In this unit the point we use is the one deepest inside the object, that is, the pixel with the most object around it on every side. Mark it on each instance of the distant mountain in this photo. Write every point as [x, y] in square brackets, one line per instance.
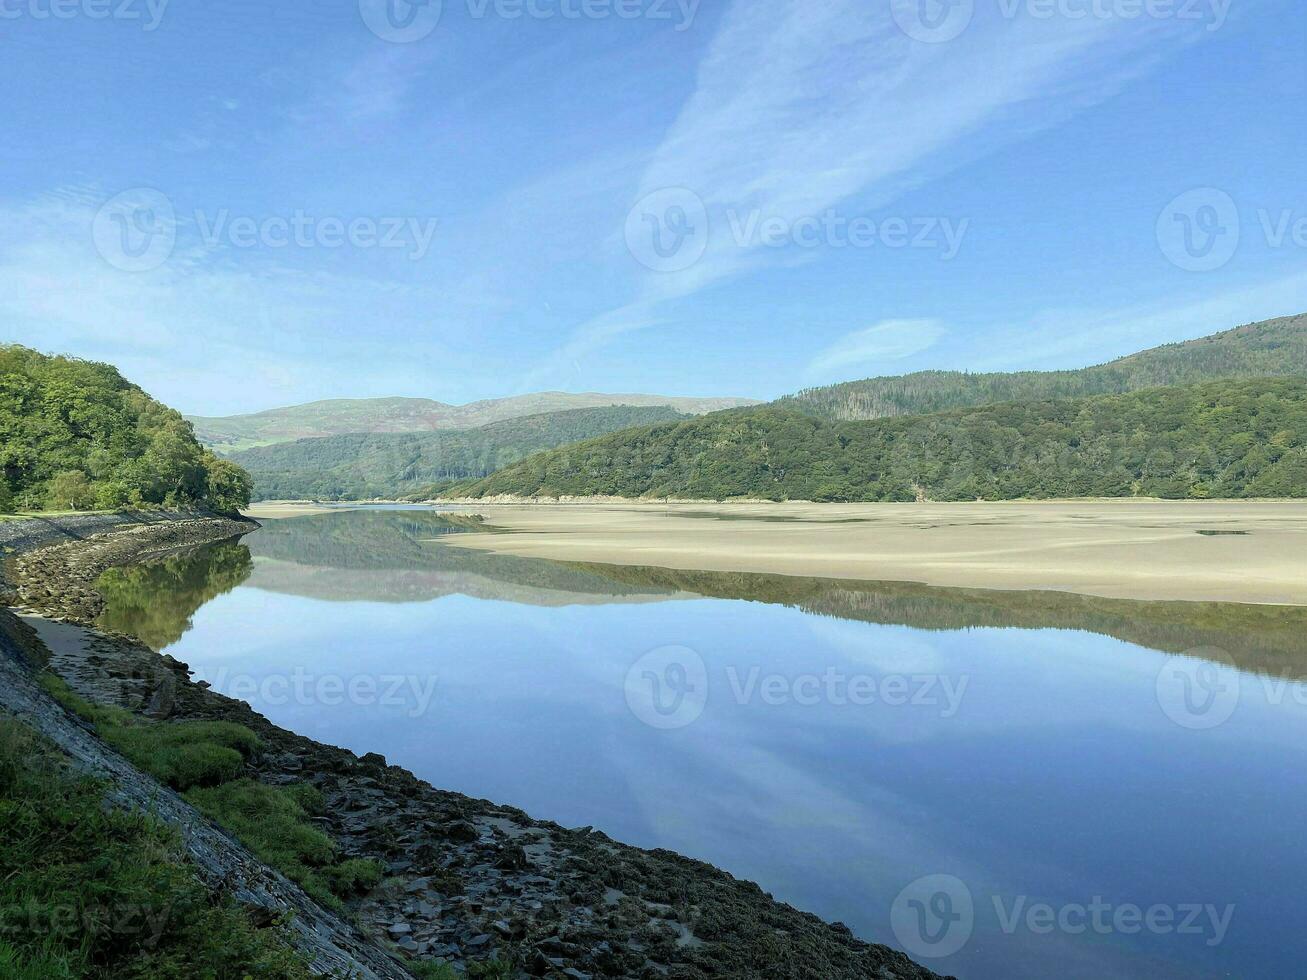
[1156, 423]
[1262, 350]
[360, 466]
[1184, 420]
[1232, 438]
[343, 416]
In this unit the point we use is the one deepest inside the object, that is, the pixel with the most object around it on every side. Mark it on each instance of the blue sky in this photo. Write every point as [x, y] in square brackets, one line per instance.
[246, 205]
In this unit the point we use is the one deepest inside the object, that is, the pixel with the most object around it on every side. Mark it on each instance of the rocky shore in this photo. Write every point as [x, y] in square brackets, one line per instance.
[467, 881]
[52, 562]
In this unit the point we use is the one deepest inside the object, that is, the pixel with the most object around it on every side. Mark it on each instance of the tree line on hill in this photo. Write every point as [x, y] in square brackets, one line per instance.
[1260, 350]
[75, 435]
[1217, 417]
[1228, 439]
[387, 465]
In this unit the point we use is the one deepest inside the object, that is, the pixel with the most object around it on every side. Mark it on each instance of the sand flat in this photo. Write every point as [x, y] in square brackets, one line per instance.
[1227, 551]
[277, 510]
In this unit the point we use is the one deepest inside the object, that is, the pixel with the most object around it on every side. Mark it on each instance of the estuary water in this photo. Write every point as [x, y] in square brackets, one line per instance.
[1005, 785]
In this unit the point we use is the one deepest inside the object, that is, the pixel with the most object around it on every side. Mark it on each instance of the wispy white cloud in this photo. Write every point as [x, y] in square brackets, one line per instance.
[801, 107]
[864, 351]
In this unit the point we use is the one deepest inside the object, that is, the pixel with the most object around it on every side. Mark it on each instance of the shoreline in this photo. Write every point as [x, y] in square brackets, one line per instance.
[466, 879]
[52, 563]
[1252, 552]
[1249, 552]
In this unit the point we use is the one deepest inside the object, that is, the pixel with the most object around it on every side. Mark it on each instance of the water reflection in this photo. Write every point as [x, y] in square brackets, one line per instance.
[1017, 742]
[1263, 638]
[396, 556]
[156, 600]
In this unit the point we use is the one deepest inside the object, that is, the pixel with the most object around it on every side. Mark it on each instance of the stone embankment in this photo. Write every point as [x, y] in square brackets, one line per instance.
[52, 562]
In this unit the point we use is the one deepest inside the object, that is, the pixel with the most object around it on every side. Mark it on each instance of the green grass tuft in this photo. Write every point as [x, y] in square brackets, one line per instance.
[206, 761]
[87, 891]
[353, 877]
[58, 688]
[274, 823]
[185, 754]
[181, 754]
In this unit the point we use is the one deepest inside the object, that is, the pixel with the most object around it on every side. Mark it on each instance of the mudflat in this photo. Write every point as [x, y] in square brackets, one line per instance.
[1218, 551]
[274, 510]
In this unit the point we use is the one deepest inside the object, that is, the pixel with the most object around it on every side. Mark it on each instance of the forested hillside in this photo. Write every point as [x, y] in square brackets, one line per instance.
[1220, 439]
[75, 435]
[344, 416]
[1262, 350]
[390, 465]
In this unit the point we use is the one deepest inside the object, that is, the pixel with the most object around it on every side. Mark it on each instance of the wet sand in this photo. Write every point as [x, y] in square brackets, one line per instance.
[275, 510]
[1216, 551]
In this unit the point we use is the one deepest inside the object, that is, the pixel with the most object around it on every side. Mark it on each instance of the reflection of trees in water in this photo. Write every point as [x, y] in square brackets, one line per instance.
[1269, 639]
[405, 542]
[361, 538]
[156, 600]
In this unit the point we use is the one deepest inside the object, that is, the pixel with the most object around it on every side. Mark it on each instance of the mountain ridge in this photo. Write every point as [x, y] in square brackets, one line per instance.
[343, 416]
[955, 421]
[1270, 348]
[367, 465]
[1222, 439]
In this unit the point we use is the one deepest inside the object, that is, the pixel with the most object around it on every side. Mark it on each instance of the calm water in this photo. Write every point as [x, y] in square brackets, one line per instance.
[1030, 783]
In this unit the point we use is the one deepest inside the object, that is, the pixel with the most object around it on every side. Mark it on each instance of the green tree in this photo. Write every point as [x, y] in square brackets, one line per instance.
[1224, 439]
[393, 464]
[1275, 348]
[70, 490]
[1287, 478]
[229, 486]
[77, 434]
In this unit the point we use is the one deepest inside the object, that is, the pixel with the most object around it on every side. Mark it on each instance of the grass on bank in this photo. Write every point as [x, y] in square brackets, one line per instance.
[87, 891]
[274, 823]
[205, 761]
